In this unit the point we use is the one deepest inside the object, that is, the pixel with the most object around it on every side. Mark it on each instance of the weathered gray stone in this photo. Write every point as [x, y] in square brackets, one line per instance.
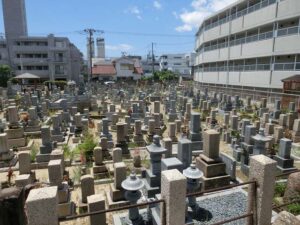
[117, 155]
[119, 174]
[96, 203]
[41, 206]
[211, 142]
[263, 171]
[286, 218]
[173, 191]
[24, 162]
[87, 187]
[55, 172]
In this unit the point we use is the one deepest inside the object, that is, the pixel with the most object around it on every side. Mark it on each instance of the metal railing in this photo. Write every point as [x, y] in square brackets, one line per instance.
[238, 14]
[288, 31]
[278, 207]
[163, 219]
[252, 67]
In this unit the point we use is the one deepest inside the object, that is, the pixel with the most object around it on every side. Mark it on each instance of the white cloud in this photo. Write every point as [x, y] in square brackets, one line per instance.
[200, 10]
[119, 47]
[184, 28]
[135, 11]
[157, 5]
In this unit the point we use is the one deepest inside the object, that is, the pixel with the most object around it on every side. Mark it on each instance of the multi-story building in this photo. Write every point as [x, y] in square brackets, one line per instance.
[251, 43]
[178, 63]
[47, 57]
[100, 47]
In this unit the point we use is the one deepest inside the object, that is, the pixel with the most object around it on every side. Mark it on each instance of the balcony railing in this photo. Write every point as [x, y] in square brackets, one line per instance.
[252, 67]
[239, 41]
[253, 38]
[288, 31]
[287, 66]
[238, 14]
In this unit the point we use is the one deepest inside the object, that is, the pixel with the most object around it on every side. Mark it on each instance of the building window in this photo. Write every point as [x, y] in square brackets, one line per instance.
[126, 66]
[59, 69]
[59, 44]
[177, 64]
[59, 57]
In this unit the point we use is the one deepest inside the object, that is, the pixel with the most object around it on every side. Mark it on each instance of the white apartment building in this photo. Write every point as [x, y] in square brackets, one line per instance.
[178, 63]
[251, 43]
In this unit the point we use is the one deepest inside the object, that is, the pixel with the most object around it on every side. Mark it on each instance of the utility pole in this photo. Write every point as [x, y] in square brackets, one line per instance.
[153, 59]
[90, 32]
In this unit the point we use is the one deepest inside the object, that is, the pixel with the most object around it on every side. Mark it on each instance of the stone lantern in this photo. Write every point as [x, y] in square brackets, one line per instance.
[193, 175]
[132, 185]
[260, 141]
[156, 150]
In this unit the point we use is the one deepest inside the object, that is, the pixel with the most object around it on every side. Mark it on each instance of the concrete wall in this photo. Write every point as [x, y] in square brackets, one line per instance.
[260, 17]
[287, 44]
[288, 8]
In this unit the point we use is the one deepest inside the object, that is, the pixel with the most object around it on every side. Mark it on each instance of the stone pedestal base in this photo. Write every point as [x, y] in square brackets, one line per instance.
[116, 194]
[99, 171]
[284, 163]
[115, 198]
[215, 182]
[43, 158]
[99, 168]
[58, 138]
[17, 142]
[23, 180]
[15, 133]
[210, 167]
[5, 156]
[214, 172]
[138, 139]
[32, 128]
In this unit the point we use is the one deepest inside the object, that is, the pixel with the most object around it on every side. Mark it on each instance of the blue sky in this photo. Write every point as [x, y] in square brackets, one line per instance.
[174, 21]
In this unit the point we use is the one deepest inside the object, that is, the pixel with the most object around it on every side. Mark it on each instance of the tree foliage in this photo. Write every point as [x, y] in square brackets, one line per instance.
[163, 76]
[5, 73]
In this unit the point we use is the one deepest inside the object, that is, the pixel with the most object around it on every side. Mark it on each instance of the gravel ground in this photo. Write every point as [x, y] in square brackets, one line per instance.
[217, 208]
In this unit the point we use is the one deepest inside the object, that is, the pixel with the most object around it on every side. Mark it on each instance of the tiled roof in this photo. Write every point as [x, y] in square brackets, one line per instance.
[104, 70]
[295, 78]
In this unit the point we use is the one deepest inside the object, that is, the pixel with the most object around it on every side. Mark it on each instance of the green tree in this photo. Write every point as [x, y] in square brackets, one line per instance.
[5, 73]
